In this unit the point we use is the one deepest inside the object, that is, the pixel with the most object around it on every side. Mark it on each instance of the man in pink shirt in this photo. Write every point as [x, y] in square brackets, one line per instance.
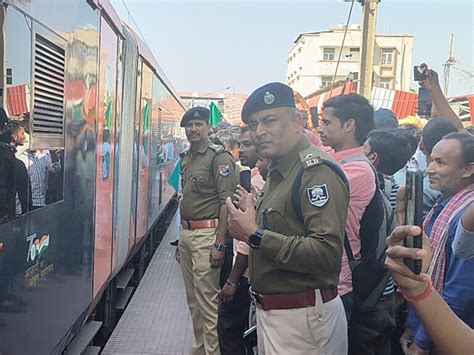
[235, 298]
[346, 121]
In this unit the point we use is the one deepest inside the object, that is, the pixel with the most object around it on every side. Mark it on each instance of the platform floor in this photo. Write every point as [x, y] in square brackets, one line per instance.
[157, 319]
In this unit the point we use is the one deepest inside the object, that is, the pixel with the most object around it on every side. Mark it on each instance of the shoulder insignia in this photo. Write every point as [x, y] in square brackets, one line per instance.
[309, 157]
[224, 170]
[318, 195]
[217, 148]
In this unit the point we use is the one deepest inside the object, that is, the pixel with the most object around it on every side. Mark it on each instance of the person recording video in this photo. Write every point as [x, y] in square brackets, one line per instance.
[448, 332]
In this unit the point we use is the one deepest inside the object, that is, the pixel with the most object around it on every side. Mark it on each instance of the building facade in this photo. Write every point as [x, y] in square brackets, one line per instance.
[229, 104]
[313, 59]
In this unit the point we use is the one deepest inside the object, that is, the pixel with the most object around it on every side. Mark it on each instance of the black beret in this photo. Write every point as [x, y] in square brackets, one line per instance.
[196, 113]
[268, 96]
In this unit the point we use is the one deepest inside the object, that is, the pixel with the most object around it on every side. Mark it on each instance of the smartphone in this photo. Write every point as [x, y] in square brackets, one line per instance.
[424, 102]
[314, 116]
[419, 73]
[245, 179]
[250, 337]
[414, 214]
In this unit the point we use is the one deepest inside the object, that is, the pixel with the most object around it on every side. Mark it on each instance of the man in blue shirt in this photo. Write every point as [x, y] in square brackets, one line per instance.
[451, 171]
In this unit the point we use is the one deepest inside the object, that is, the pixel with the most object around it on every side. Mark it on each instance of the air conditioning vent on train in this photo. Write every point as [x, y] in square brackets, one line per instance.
[48, 119]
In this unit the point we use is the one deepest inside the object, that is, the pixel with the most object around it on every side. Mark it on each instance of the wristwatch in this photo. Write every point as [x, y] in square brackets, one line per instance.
[256, 238]
[220, 247]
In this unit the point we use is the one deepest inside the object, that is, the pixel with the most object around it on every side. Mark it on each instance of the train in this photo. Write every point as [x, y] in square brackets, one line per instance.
[103, 132]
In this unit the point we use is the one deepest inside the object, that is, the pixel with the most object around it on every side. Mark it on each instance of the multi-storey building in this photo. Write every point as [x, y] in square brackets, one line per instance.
[313, 59]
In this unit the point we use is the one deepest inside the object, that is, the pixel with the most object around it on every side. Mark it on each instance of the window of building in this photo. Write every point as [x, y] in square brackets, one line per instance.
[326, 81]
[385, 83]
[354, 49]
[328, 54]
[387, 56]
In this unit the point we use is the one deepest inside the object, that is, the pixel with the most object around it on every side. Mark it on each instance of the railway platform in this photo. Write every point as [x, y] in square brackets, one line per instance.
[157, 319]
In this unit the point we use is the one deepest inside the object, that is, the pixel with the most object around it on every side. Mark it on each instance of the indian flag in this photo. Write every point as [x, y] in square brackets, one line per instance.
[42, 245]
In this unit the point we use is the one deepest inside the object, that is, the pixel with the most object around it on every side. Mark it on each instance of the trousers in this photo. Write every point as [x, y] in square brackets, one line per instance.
[233, 320]
[319, 330]
[370, 332]
[201, 283]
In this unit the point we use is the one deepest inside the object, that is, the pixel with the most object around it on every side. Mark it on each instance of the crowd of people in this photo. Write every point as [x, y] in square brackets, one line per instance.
[29, 178]
[313, 256]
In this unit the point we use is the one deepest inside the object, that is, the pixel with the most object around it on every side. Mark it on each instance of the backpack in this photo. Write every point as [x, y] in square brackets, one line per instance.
[369, 275]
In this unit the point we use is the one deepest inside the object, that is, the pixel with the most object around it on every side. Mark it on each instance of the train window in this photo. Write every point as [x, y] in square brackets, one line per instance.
[48, 103]
[16, 72]
[44, 160]
[35, 176]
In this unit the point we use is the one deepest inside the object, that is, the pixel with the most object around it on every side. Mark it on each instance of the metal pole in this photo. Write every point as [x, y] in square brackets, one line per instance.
[367, 47]
[448, 65]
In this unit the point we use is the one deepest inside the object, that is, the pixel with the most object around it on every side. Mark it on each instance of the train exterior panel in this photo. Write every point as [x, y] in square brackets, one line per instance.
[105, 122]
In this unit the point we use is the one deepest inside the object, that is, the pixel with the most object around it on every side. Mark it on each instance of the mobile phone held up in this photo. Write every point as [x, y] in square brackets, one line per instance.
[424, 103]
[414, 214]
[419, 73]
[245, 176]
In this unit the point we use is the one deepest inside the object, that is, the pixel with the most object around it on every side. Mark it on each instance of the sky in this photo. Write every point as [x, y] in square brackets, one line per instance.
[208, 46]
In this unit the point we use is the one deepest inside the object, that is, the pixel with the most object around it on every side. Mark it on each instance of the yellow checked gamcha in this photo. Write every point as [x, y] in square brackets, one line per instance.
[208, 178]
[283, 263]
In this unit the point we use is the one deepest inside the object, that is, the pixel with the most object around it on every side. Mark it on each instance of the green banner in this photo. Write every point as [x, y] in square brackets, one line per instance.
[216, 115]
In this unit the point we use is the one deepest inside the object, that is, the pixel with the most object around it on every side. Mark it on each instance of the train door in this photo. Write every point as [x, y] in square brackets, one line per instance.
[105, 155]
[136, 145]
[144, 151]
[155, 203]
[124, 219]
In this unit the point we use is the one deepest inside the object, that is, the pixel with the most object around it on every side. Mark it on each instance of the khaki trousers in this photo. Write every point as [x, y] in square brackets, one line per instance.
[320, 330]
[202, 287]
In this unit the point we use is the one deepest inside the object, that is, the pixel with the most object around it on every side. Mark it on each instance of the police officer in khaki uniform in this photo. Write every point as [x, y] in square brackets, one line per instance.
[208, 178]
[296, 234]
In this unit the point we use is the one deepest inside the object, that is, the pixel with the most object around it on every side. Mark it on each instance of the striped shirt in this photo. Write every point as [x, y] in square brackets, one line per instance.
[39, 166]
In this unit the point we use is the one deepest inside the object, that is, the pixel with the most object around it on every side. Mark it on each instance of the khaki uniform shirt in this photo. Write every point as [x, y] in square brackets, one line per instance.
[205, 191]
[294, 255]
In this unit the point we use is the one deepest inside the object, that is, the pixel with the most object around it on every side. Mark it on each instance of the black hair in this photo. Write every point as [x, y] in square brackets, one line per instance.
[434, 131]
[467, 145]
[106, 135]
[412, 134]
[356, 107]
[392, 148]
[3, 119]
[244, 129]
[9, 129]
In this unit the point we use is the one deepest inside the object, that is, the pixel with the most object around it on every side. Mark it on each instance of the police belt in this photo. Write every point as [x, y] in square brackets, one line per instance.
[202, 224]
[292, 300]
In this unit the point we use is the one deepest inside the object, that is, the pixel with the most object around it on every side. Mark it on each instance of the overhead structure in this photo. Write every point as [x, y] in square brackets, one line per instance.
[368, 46]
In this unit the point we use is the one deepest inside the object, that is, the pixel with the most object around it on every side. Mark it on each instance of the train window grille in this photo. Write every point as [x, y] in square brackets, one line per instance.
[48, 104]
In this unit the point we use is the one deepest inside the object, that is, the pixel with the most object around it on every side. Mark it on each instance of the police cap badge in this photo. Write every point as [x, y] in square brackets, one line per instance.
[269, 96]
